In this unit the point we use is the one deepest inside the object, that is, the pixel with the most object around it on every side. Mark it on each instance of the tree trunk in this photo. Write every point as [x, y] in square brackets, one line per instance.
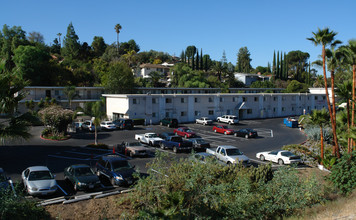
[96, 135]
[321, 145]
[353, 100]
[328, 99]
[334, 114]
[349, 148]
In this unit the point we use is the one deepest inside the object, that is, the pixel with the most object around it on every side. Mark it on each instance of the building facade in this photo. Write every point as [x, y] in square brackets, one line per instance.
[188, 107]
[248, 78]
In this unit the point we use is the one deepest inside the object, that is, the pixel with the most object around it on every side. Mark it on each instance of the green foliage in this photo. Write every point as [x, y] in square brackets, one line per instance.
[343, 174]
[56, 118]
[313, 133]
[71, 45]
[18, 207]
[262, 84]
[119, 79]
[243, 61]
[329, 161]
[188, 189]
[296, 87]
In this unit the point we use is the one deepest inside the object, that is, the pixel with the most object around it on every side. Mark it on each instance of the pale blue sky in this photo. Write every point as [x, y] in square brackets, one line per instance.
[170, 26]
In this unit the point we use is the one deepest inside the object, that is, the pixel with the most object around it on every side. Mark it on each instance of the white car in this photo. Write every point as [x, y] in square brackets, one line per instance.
[230, 119]
[279, 156]
[108, 125]
[39, 181]
[203, 121]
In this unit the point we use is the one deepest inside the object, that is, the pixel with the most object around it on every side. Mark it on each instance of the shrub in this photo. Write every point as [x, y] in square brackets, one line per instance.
[57, 118]
[343, 174]
[313, 133]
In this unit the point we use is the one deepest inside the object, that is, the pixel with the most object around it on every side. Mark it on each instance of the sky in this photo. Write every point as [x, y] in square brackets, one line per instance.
[263, 26]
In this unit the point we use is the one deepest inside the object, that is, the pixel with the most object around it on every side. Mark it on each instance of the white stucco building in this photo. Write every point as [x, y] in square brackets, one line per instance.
[188, 107]
[147, 68]
[248, 78]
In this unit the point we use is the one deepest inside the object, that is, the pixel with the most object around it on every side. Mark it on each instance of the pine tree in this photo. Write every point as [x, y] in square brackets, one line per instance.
[274, 66]
[269, 67]
[201, 59]
[182, 56]
[281, 71]
[197, 61]
[71, 46]
[277, 67]
[193, 63]
[285, 76]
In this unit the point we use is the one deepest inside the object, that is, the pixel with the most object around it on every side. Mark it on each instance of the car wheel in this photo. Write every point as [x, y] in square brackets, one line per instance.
[229, 163]
[150, 143]
[235, 134]
[168, 125]
[280, 162]
[215, 130]
[162, 146]
[161, 123]
[230, 123]
[175, 150]
[262, 157]
[246, 136]
[185, 136]
[112, 181]
[225, 133]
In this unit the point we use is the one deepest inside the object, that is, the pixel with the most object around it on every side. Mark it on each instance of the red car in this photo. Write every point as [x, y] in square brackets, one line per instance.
[223, 129]
[184, 132]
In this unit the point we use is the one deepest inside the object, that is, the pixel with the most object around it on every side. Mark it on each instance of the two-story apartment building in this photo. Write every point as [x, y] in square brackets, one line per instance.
[188, 107]
[248, 78]
[147, 68]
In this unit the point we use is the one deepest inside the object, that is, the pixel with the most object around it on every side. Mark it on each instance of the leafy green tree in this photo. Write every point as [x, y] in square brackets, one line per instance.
[71, 46]
[207, 62]
[70, 92]
[56, 47]
[35, 37]
[126, 47]
[57, 118]
[243, 60]
[326, 37]
[10, 39]
[296, 87]
[320, 118]
[99, 46]
[262, 84]
[297, 64]
[117, 30]
[343, 174]
[33, 64]
[119, 78]
[98, 113]
[190, 53]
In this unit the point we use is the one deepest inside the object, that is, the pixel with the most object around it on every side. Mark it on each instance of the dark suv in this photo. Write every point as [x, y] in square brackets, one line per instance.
[117, 169]
[124, 123]
[169, 122]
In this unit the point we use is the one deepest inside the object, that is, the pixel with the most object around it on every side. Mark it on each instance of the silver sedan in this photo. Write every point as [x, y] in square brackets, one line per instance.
[39, 181]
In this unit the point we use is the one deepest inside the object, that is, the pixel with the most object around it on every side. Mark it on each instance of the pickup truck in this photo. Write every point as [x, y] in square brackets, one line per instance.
[230, 155]
[151, 139]
[176, 143]
[132, 149]
[230, 119]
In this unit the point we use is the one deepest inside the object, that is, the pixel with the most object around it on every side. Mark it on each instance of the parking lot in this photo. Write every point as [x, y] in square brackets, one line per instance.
[15, 156]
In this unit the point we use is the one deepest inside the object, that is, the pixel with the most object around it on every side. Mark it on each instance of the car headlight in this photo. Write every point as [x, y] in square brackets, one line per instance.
[34, 189]
[81, 184]
[119, 178]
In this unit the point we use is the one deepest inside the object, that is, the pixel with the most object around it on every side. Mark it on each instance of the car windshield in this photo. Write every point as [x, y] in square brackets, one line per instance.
[200, 141]
[287, 154]
[225, 127]
[233, 152]
[176, 139]
[188, 130]
[134, 144]
[120, 165]
[40, 175]
[152, 135]
[234, 117]
[83, 171]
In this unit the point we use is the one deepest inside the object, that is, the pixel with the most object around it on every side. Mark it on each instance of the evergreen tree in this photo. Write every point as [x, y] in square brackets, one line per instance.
[197, 61]
[281, 70]
[244, 60]
[269, 67]
[182, 56]
[201, 59]
[285, 76]
[274, 65]
[71, 46]
[193, 63]
[277, 67]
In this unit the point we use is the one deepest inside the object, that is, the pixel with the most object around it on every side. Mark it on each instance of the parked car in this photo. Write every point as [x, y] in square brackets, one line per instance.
[169, 122]
[4, 180]
[164, 135]
[124, 123]
[223, 129]
[184, 132]
[246, 132]
[204, 158]
[204, 121]
[117, 169]
[107, 125]
[151, 139]
[230, 119]
[82, 177]
[230, 155]
[176, 143]
[199, 144]
[132, 149]
[88, 125]
[39, 181]
[279, 156]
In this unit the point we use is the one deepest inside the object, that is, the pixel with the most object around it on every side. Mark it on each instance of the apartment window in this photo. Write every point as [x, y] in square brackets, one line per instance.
[211, 112]
[183, 113]
[264, 98]
[167, 114]
[154, 114]
[182, 100]
[221, 99]
[196, 100]
[228, 112]
[308, 107]
[300, 98]
[134, 101]
[234, 99]
[292, 108]
[324, 97]
[274, 109]
[168, 100]
[308, 97]
[210, 99]
[283, 98]
[197, 113]
[154, 101]
[316, 97]
[283, 109]
[256, 99]
[274, 98]
[249, 111]
[147, 68]
[244, 99]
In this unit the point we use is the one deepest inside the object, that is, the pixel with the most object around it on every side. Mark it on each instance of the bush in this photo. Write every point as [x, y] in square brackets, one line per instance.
[343, 174]
[313, 133]
[187, 189]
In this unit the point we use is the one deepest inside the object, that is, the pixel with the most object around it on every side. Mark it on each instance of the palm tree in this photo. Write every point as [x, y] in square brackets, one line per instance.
[59, 38]
[325, 37]
[70, 92]
[98, 114]
[343, 91]
[117, 29]
[320, 118]
[350, 58]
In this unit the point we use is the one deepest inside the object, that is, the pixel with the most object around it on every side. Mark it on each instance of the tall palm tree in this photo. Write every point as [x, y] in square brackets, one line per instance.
[343, 91]
[70, 92]
[59, 38]
[98, 114]
[117, 29]
[350, 58]
[320, 118]
[325, 37]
